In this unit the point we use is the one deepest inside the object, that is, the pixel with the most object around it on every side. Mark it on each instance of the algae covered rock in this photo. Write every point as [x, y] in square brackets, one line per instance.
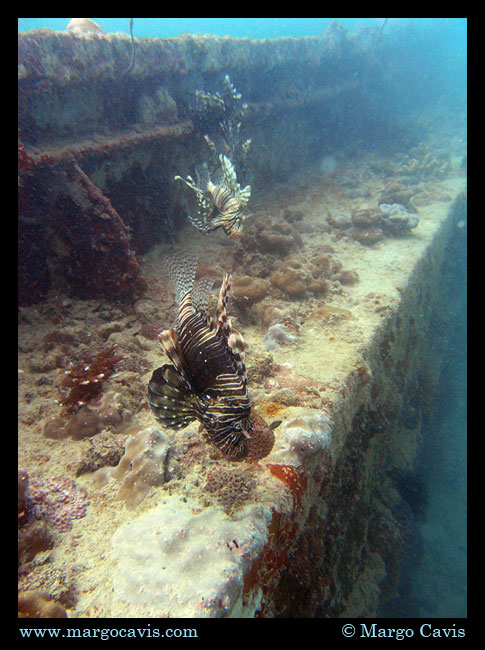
[302, 437]
[249, 289]
[142, 466]
[396, 220]
[173, 561]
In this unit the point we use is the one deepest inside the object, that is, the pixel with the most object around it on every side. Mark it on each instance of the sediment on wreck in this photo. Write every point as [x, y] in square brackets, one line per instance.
[346, 559]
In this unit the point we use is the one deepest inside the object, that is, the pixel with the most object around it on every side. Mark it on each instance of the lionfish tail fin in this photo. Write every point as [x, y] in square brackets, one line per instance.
[171, 399]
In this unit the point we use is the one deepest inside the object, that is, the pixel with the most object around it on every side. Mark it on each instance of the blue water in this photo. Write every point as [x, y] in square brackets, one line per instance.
[453, 30]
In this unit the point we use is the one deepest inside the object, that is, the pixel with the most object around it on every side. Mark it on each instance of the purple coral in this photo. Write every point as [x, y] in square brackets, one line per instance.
[57, 500]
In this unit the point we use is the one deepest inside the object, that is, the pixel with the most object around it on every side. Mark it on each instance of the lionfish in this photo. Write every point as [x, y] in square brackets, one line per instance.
[206, 380]
[220, 199]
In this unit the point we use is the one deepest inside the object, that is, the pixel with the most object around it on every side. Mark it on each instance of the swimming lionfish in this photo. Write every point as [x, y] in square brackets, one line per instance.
[220, 199]
[206, 380]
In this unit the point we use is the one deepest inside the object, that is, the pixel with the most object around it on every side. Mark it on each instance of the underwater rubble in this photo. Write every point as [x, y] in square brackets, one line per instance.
[123, 516]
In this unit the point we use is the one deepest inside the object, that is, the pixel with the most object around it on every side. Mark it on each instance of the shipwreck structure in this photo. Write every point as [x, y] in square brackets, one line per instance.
[82, 116]
[100, 142]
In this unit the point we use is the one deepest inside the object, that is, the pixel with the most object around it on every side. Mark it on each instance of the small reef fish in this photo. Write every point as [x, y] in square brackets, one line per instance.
[206, 380]
[220, 199]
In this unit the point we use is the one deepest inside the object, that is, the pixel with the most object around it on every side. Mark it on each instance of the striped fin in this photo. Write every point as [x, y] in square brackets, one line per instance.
[181, 269]
[171, 398]
[237, 346]
[168, 339]
[200, 297]
[229, 426]
[222, 324]
[231, 441]
[203, 176]
[228, 207]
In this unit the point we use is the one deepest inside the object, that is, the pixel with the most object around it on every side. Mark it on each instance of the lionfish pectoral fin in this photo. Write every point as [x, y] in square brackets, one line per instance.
[171, 398]
[237, 347]
[168, 339]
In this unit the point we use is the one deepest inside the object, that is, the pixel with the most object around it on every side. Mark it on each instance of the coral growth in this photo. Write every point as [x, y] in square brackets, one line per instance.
[33, 535]
[89, 420]
[259, 368]
[262, 439]
[316, 275]
[271, 312]
[93, 251]
[106, 450]
[396, 192]
[151, 329]
[371, 225]
[57, 500]
[289, 281]
[366, 228]
[232, 488]
[278, 238]
[288, 389]
[424, 165]
[176, 561]
[85, 380]
[249, 289]
[142, 466]
[396, 220]
[274, 556]
[301, 438]
[60, 583]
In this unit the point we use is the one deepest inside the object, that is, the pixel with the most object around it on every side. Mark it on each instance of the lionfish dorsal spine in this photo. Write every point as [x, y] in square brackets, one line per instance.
[221, 322]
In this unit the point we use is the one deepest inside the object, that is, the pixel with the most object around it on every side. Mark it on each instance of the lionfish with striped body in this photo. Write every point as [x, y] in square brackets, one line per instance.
[220, 199]
[206, 380]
